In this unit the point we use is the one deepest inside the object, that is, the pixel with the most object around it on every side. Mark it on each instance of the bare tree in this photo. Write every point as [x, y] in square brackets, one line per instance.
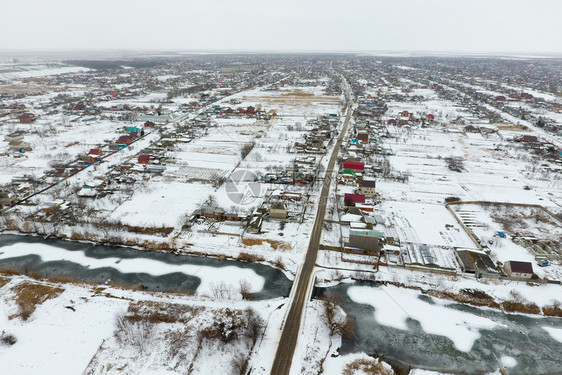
[335, 318]
[245, 289]
[222, 291]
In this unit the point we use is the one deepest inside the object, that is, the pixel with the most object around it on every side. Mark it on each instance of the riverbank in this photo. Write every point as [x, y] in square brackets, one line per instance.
[509, 296]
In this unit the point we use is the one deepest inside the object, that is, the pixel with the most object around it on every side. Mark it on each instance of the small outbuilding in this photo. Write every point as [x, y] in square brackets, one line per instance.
[476, 262]
[278, 210]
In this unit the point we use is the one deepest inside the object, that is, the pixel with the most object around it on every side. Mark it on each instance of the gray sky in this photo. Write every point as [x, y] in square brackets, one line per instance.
[284, 25]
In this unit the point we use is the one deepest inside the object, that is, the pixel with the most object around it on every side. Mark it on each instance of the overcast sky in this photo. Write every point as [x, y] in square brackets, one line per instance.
[528, 26]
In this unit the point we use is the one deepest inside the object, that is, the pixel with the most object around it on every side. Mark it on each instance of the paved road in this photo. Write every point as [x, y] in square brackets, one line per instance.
[289, 336]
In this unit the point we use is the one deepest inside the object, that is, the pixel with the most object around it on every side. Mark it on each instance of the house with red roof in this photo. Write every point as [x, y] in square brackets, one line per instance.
[355, 166]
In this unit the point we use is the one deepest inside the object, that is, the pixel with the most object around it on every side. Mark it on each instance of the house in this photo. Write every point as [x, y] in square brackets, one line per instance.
[278, 210]
[370, 240]
[15, 136]
[149, 124]
[6, 199]
[518, 270]
[430, 117]
[348, 175]
[355, 166]
[501, 98]
[94, 155]
[19, 146]
[125, 140]
[352, 199]
[405, 114]
[209, 212]
[363, 137]
[95, 151]
[144, 159]
[26, 118]
[528, 138]
[234, 217]
[367, 187]
[290, 196]
[131, 129]
[459, 121]
[87, 193]
[367, 207]
[471, 129]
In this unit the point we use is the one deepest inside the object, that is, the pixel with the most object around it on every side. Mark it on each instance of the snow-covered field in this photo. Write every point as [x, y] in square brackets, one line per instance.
[78, 331]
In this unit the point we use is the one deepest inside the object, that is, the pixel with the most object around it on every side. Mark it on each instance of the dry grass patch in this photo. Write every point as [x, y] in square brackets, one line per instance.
[162, 231]
[156, 312]
[520, 307]
[275, 245]
[9, 272]
[247, 257]
[3, 281]
[366, 366]
[473, 297]
[552, 310]
[30, 295]
[516, 128]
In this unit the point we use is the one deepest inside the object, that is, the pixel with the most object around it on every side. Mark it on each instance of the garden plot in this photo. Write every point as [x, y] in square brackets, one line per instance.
[186, 173]
[428, 224]
[537, 235]
[162, 203]
[60, 143]
[300, 101]
[219, 160]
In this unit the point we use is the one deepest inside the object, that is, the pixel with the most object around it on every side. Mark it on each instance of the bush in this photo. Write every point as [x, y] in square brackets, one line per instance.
[247, 257]
[138, 334]
[367, 367]
[8, 339]
[279, 263]
[246, 149]
[455, 164]
[222, 291]
[555, 309]
[520, 307]
[245, 289]
[225, 327]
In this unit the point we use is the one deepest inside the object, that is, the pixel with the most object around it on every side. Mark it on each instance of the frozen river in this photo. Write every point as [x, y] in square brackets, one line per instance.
[149, 270]
[409, 328]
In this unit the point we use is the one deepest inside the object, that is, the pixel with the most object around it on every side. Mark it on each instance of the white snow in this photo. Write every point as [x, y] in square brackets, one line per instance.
[508, 361]
[555, 333]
